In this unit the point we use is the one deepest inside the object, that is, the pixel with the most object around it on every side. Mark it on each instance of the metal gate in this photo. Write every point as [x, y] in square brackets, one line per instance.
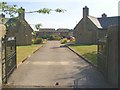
[8, 57]
[102, 55]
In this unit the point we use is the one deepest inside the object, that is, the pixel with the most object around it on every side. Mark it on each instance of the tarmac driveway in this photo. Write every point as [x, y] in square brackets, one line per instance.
[53, 63]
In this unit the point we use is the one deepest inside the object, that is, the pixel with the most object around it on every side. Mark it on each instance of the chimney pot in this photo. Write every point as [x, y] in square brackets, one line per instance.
[104, 15]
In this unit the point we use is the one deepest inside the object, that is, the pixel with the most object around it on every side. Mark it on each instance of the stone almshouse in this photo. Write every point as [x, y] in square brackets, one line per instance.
[19, 28]
[90, 29]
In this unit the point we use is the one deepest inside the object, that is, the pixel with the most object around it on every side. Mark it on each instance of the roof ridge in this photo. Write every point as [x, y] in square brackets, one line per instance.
[101, 17]
[92, 16]
[95, 21]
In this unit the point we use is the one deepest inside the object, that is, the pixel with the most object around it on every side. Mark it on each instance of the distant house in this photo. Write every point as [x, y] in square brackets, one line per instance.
[70, 32]
[43, 32]
[19, 28]
[64, 32]
[51, 31]
[90, 29]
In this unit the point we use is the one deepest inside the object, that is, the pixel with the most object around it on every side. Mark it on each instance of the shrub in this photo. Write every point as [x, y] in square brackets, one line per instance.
[46, 37]
[38, 41]
[54, 37]
[51, 38]
[64, 41]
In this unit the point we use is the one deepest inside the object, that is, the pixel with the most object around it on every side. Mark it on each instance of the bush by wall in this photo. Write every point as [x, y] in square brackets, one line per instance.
[54, 37]
[37, 41]
[63, 41]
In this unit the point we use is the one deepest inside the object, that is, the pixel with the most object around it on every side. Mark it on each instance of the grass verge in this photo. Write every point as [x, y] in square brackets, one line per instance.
[24, 51]
[87, 51]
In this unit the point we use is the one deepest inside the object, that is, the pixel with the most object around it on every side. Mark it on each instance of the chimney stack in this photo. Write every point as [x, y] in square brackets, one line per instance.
[22, 13]
[104, 15]
[85, 11]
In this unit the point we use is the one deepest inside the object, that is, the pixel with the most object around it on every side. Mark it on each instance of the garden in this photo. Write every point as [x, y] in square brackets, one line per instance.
[87, 51]
[24, 51]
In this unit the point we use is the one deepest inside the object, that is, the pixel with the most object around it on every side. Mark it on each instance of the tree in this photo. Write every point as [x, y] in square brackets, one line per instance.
[8, 9]
[13, 9]
[37, 26]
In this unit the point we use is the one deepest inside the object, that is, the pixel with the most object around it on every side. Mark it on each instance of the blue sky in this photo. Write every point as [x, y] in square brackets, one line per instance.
[68, 19]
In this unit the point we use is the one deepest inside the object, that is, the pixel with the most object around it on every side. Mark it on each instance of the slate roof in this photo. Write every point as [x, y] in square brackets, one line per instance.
[7, 20]
[47, 30]
[12, 20]
[105, 22]
[63, 30]
[95, 21]
[108, 21]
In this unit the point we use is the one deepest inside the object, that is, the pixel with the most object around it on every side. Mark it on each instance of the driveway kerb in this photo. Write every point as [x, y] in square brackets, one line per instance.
[82, 57]
[29, 56]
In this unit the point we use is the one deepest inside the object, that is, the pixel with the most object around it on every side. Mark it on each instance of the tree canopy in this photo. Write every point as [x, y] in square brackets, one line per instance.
[13, 9]
[38, 26]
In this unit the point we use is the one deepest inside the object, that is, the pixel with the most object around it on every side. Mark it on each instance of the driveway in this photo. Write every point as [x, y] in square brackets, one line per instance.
[54, 63]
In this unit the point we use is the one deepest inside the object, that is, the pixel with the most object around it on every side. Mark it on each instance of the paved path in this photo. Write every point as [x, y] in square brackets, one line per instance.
[53, 63]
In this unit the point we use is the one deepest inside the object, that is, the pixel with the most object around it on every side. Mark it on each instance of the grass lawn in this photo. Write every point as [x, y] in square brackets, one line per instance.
[24, 51]
[87, 51]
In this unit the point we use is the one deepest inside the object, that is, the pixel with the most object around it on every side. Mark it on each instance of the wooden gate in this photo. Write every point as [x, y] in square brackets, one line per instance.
[102, 56]
[8, 57]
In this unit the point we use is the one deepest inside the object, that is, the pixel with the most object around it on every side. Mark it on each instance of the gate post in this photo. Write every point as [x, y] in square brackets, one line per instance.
[15, 52]
[5, 61]
[2, 33]
[112, 57]
[102, 56]
[0, 64]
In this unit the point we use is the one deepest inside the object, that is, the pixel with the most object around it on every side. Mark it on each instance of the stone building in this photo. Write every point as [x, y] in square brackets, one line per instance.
[90, 29]
[103, 31]
[19, 28]
[43, 32]
[62, 32]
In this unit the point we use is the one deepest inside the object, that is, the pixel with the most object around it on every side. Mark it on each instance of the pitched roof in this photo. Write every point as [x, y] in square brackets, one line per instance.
[95, 21]
[63, 30]
[105, 22]
[101, 22]
[12, 20]
[108, 21]
[47, 30]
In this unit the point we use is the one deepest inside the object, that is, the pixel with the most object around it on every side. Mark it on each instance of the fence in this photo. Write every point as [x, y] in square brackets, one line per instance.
[8, 57]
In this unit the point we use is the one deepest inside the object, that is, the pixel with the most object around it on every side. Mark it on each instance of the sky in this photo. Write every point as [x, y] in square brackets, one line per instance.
[68, 19]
